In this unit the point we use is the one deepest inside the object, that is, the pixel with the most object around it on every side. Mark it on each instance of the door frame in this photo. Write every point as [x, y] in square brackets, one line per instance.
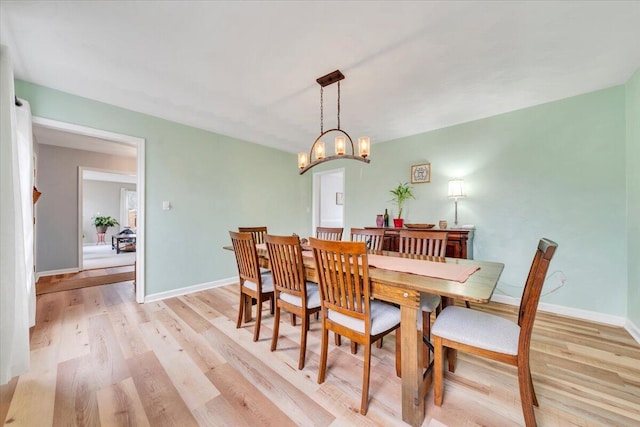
[137, 142]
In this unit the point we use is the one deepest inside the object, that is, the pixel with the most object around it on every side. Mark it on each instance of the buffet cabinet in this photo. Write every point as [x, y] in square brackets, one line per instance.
[459, 241]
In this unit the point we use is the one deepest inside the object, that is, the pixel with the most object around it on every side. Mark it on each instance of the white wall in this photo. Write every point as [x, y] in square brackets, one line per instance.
[101, 198]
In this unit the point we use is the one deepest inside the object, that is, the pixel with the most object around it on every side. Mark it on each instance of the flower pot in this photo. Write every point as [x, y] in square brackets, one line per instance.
[398, 222]
[101, 228]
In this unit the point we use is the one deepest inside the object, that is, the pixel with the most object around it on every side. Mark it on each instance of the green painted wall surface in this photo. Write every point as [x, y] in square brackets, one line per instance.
[556, 170]
[214, 183]
[633, 196]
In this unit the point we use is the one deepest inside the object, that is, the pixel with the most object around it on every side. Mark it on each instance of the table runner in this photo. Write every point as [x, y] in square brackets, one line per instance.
[455, 272]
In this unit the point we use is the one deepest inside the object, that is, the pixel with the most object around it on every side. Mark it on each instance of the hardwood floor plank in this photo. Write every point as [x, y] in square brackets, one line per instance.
[6, 394]
[75, 400]
[120, 405]
[186, 313]
[127, 332]
[296, 404]
[74, 335]
[106, 357]
[161, 401]
[193, 386]
[219, 412]
[245, 399]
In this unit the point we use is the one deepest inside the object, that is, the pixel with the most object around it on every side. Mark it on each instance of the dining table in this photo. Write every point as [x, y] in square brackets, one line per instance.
[404, 288]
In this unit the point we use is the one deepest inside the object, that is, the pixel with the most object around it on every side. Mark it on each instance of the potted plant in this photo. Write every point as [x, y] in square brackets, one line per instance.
[103, 222]
[401, 194]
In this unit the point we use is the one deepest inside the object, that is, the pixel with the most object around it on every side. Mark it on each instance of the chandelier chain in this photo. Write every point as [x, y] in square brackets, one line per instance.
[338, 105]
[321, 110]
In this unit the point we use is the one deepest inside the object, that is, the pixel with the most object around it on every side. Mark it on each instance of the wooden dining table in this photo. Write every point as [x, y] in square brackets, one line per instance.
[404, 289]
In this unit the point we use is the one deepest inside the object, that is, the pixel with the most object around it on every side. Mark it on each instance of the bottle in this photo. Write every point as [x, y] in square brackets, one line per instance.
[386, 218]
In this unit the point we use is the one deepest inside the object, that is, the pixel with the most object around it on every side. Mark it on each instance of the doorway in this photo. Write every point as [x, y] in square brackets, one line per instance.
[122, 140]
[328, 199]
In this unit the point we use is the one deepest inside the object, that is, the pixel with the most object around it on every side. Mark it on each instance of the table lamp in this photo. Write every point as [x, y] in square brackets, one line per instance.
[456, 191]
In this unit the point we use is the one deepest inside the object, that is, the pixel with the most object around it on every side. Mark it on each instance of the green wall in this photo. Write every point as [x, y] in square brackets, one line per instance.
[214, 183]
[556, 170]
[633, 196]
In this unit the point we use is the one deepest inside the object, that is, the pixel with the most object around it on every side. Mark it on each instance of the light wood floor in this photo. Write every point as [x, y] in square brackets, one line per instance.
[98, 358]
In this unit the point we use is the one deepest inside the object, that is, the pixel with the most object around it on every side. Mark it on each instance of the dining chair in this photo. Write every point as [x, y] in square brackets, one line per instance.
[329, 233]
[292, 292]
[494, 337]
[253, 283]
[431, 243]
[258, 233]
[372, 237]
[347, 307]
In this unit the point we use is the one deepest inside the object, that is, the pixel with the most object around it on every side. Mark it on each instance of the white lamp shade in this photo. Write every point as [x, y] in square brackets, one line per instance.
[319, 150]
[456, 188]
[341, 143]
[302, 160]
[364, 146]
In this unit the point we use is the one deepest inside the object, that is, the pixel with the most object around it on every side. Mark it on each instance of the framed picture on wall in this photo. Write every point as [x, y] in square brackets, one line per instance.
[421, 174]
[339, 198]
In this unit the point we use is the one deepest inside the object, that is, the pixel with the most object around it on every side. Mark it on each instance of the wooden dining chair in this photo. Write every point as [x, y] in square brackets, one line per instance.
[253, 283]
[292, 292]
[329, 233]
[372, 237]
[347, 307]
[431, 243]
[494, 337]
[258, 233]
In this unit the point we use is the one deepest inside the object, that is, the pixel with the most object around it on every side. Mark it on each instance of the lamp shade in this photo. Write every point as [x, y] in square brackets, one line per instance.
[456, 188]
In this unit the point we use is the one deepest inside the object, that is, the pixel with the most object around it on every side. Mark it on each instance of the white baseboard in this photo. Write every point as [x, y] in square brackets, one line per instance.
[40, 274]
[633, 330]
[591, 316]
[189, 289]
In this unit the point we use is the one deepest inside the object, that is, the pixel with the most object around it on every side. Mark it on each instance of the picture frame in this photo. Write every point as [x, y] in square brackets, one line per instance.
[339, 198]
[421, 174]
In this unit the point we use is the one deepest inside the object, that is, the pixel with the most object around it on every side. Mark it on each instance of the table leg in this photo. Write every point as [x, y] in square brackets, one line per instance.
[412, 399]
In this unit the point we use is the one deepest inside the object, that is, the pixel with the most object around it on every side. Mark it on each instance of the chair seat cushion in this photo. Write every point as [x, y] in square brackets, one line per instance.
[477, 329]
[383, 317]
[313, 297]
[429, 302]
[267, 283]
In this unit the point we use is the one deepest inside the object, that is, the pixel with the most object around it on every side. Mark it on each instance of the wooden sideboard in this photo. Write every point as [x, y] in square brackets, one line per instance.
[459, 241]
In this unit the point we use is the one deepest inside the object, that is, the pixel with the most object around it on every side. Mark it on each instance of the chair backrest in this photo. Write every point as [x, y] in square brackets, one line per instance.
[343, 278]
[372, 237]
[532, 291]
[246, 257]
[329, 233]
[415, 242]
[258, 233]
[287, 267]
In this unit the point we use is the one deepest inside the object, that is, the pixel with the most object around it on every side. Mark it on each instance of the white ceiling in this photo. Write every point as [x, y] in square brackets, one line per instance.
[248, 69]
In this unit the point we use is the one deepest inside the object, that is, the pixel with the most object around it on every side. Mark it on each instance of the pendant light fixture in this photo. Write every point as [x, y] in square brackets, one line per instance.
[342, 141]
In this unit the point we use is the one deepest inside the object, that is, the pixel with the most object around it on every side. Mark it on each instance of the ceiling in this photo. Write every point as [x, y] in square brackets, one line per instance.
[248, 69]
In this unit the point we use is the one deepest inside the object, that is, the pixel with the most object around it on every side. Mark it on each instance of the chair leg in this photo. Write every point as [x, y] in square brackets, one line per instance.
[426, 333]
[365, 379]
[524, 378]
[338, 339]
[398, 353]
[322, 369]
[276, 329]
[240, 311]
[293, 319]
[354, 347]
[303, 341]
[256, 331]
[273, 303]
[452, 356]
[438, 366]
[379, 343]
[533, 390]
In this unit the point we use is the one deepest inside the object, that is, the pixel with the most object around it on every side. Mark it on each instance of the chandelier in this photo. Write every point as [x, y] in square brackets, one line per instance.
[318, 148]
